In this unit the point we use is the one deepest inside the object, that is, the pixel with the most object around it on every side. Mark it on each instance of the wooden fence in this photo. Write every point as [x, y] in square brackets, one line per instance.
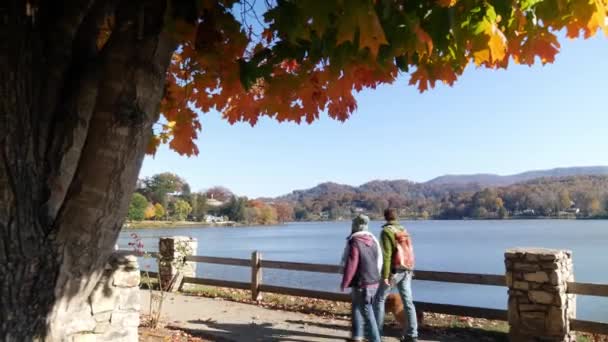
[256, 285]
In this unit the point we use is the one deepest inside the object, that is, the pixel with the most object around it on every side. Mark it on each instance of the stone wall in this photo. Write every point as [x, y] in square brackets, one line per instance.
[539, 308]
[112, 311]
[172, 267]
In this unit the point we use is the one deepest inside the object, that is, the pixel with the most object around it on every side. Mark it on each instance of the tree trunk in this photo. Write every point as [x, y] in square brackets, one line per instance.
[76, 115]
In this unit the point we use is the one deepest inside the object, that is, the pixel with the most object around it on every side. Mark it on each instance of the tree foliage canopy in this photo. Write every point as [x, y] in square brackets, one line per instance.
[302, 58]
[137, 207]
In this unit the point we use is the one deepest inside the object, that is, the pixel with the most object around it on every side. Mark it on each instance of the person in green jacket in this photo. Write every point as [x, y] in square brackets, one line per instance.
[391, 277]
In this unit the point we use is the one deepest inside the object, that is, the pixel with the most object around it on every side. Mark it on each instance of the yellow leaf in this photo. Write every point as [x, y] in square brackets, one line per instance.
[365, 19]
[481, 56]
[371, 34]
[494, 49]
[497, 44]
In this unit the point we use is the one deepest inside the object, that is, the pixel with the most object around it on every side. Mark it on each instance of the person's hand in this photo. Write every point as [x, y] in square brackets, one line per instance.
[387, 282]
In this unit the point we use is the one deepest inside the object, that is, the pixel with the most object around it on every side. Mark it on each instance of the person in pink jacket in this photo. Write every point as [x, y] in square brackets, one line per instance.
[362, 262]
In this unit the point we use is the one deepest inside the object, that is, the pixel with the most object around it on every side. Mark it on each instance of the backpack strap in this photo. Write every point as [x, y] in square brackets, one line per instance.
[394, 230]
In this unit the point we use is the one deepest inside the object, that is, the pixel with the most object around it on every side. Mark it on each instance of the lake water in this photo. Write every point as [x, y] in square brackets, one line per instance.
[456, 246]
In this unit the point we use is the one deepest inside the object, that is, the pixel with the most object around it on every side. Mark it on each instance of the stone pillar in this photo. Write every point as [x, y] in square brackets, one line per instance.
[172, 267]
[112, 311]
[539, 308]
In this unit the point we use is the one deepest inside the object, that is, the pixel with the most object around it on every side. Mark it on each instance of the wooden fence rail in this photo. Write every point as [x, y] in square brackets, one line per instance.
[588, 289]
[256, 286]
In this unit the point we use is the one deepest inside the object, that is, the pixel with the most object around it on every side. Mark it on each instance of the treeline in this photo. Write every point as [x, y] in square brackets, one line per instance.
[168, 197]
[576, 196]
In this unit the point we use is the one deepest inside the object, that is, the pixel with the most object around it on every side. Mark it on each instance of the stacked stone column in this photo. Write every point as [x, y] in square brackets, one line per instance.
[539, 307]
[112, 310]
[172, 265]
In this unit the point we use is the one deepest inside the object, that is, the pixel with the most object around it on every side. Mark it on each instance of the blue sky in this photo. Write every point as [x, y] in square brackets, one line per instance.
[490, 121]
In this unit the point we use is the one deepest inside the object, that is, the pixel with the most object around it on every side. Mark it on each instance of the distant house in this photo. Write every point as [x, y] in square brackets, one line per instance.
[528, 212]
[573, 210]
[212, 202]
[214, 219]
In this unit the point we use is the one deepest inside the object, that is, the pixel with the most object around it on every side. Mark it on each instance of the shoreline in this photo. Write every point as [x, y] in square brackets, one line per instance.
[189, 224]
[202, 225]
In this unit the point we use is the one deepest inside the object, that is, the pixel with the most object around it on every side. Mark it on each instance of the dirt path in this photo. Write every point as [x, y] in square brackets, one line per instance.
[221, 320]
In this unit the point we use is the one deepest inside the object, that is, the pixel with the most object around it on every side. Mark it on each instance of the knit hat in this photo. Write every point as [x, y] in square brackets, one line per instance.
[360, 223]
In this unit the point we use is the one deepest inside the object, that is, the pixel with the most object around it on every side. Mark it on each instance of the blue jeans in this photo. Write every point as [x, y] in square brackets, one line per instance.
[363, 314]
[403, 282]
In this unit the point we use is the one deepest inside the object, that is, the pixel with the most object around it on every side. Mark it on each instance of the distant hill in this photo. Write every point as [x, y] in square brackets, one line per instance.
[439, 185]
[556, 192]
[492, 180]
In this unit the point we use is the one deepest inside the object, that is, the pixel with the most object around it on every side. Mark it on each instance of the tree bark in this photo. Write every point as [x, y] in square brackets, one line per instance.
[75, 121]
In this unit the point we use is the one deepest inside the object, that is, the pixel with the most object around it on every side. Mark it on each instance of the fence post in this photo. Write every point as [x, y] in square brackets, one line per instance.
[539, 307]
[256, 275]
[171, 265]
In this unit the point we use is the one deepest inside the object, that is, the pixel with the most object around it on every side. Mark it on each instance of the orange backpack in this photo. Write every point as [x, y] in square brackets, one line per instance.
[403, 255]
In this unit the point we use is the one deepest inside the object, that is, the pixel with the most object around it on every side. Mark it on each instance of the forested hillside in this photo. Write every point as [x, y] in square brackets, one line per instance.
[570, 196]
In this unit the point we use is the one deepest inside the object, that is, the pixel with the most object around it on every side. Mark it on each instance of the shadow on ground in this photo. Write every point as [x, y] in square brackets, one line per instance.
[455, 334]
[227, 332]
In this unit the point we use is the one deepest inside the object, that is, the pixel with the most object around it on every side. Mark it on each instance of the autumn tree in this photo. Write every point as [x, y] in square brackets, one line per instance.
[158, 187]
[82, 84]
[268, 215]
[150, 212]
[284, 210]
[159, 211]
[137, 207]
[180, 210]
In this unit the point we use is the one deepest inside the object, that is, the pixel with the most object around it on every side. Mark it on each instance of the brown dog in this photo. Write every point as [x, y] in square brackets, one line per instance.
[394, 305]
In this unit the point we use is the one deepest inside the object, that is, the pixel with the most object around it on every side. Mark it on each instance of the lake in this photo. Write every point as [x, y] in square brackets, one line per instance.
[455, 246]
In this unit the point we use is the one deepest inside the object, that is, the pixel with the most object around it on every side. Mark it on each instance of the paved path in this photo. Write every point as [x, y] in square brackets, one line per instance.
[225, 321]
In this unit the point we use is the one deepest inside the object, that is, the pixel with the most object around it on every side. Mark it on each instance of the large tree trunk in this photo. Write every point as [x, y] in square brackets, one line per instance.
[75, 119]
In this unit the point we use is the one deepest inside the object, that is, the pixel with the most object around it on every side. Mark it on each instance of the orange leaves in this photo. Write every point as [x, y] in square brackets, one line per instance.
[426, 76]
[587, 16]
[290, 65]
[598, 20]
[313, 55]
[185, 131]
[491, 47]
[540, 43]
